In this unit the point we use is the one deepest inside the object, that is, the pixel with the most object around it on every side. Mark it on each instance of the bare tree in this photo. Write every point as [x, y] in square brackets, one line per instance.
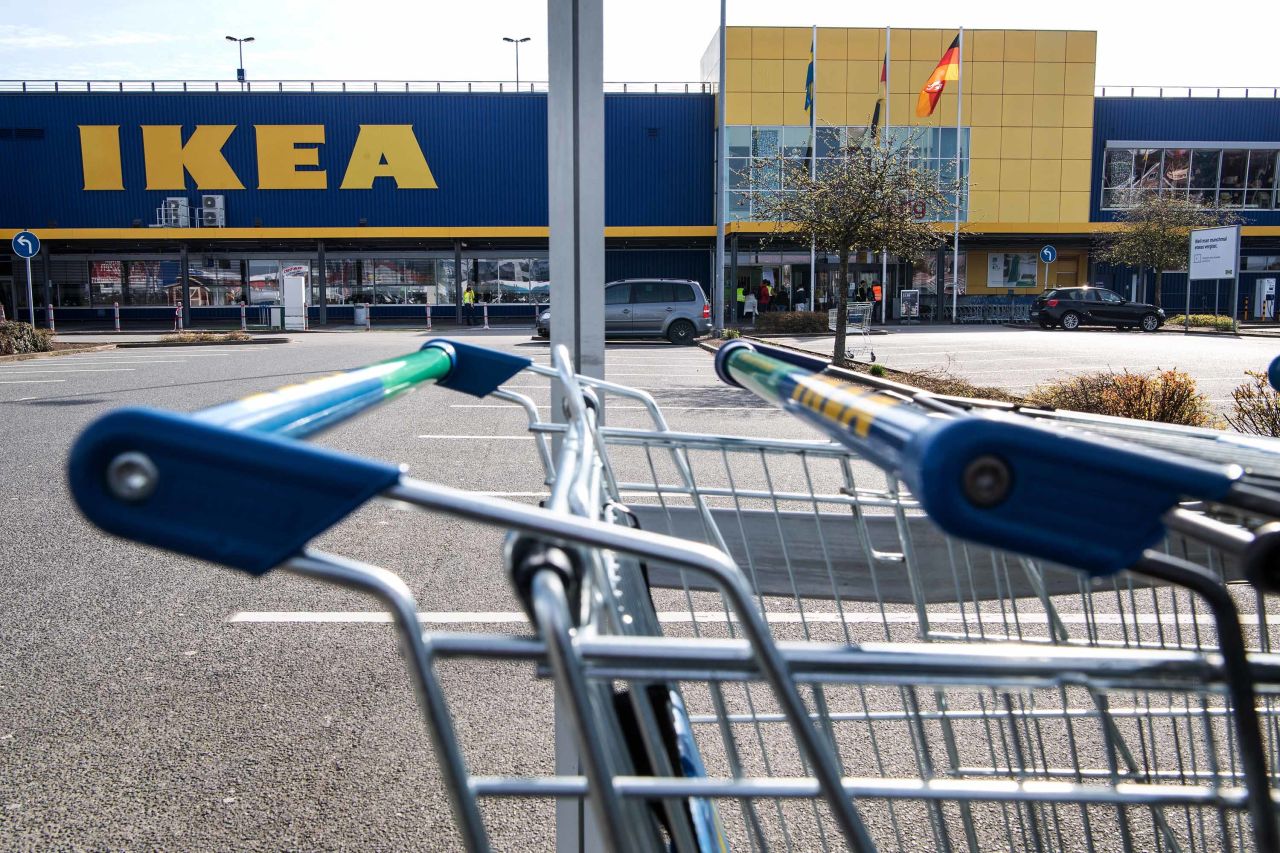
[872, 198]
[1155, 228]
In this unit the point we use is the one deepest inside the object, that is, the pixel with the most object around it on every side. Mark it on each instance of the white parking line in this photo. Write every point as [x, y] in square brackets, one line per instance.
[78, 362]
[90, 370]
[27, 381]
[484, 437]
[665, 408]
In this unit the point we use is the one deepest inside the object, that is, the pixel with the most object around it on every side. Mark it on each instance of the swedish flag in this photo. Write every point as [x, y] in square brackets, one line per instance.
[808, 83]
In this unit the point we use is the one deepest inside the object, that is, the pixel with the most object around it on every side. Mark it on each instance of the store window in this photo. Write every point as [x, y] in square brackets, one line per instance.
[1241, 176]
[216, 281]
[70, 280]
[1012, 269]
[512, 280]
[153, 283]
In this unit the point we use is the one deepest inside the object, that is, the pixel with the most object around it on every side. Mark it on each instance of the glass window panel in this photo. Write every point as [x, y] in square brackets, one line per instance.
[1257, 199]
[1262, 170]
[160, 283]
[739, 140]
[1117, 170]
[1204, 169]
[339, 282]
[1261, 262]
[739, 205]
[1233, 168]
[739, 177]
[795, 142]
[618, 294]
[1203, 196]
[830, 141]
[765, 141]
[420, 281]
[1177, 168]
[1146, 168]
[264, 283]
[1231, 198]
[766, 175]
[105, 282]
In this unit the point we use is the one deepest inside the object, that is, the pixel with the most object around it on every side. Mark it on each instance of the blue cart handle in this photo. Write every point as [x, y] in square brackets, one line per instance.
[993, 477]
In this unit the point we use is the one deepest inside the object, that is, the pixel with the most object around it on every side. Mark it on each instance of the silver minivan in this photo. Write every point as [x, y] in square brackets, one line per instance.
[675, 309]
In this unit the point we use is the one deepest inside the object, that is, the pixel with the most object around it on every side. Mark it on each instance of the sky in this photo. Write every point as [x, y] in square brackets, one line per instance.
[1222, 44]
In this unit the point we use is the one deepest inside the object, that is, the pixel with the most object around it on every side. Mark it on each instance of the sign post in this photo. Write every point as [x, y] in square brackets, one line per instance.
[27, 245]
[1048, 254]
[1215, 254]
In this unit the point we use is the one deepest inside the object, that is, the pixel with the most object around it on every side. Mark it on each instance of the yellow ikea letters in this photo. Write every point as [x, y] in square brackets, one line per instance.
[289, 157]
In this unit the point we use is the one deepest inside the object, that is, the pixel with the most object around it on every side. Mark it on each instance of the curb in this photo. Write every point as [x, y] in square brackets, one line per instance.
[27, 356]
[148, 344]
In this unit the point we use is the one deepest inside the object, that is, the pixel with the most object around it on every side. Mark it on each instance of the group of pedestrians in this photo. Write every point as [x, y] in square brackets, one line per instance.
[750, 304]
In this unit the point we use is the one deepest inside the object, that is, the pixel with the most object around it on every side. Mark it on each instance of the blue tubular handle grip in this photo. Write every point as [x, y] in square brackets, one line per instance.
[995, 478]
[187, 482]
[1273, 373]
[297, 411]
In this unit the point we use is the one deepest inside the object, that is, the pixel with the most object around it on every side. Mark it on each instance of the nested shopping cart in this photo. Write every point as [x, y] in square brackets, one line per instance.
[926, 625]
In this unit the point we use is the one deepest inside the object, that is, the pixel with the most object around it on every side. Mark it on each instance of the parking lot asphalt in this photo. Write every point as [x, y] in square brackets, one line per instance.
[152, 701]
[1019, 359]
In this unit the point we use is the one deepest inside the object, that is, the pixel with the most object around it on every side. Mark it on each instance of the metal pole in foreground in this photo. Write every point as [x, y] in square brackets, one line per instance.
[955, 245]
[52, 327]
[1235, 287]
[31, 305]
[722, 164]
[244, 322]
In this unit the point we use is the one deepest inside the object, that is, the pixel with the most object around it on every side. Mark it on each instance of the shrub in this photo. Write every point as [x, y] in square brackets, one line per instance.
[1167, 396]
[1255, 407]
[205, 337]
[730, 334]
[18, 338]
[800, 322]
[1201, 321]
[877, 370]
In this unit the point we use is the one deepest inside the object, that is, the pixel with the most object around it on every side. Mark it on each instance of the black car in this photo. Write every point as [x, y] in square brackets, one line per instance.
[1073, 307]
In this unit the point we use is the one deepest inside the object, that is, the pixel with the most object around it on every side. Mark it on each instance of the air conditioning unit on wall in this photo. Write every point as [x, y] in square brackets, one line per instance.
[213, 211]
[174, 213]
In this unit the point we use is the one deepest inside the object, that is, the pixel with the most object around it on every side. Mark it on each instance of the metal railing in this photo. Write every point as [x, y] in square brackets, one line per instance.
[1186, 92]
[378, 86]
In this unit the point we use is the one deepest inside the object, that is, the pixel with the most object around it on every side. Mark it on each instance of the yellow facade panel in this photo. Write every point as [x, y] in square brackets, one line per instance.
[1019, 78]
[861, 75]
[858, 109]
[1046, 111]
[833, 43]
[1015, 143]
[984, 175]
[1043, 206]
[903, 110]
[1074, 207]
[737, 43]
[1046, 143]
[831, 75]
[865, 43]
[1019, 46]
[987, 45]
[737, 108]
[1082, 47]
[793, 111]
[900, 44]
[984, 142]
[1014, 206]
[832, 111]
[1078, 79]
[1051, 46]
[766, 108]
[987, 111]
[1016, 110]
[794, 74]
[766, 43]
[1077, 111]
[1050, 78]
[1015, 175]
[945, 114]
[1076, 175]
[796, 42]
[1046, 175]
[984, 78]
[927, 45]
[984, 206]
[766, 75]
[737, 74]
[1077, 143]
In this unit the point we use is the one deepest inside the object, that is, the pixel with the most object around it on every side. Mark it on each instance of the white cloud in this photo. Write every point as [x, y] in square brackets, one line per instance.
[33, 38]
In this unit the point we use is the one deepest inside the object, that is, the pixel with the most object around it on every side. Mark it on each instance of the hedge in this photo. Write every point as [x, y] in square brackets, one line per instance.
[18, 338]
[812, 322]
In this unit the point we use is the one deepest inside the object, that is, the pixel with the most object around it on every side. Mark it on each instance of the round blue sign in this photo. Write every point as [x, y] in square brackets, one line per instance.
[26, 244]
[1048, 254]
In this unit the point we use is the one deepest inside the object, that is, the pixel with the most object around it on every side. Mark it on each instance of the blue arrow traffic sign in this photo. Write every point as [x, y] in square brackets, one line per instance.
[1048, 254]
[26, 244]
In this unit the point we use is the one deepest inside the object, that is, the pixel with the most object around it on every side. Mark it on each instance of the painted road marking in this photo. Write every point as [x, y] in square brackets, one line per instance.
[763, 407]
[484, 437]
[27, 381]
[77, 370]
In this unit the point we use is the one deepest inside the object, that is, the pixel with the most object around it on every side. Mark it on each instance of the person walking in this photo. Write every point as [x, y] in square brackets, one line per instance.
[749, 307]
[468, 305]
[742, 301]
[766, 296]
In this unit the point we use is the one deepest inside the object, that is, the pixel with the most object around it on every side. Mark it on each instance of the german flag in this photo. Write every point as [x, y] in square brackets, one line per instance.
[948, 69]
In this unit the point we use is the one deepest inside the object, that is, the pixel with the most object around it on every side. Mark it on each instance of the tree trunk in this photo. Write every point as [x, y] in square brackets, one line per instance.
[842, 308]
[1159, 277]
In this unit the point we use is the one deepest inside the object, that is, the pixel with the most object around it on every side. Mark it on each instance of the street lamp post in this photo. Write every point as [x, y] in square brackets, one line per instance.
[517, 43]
[240, 45]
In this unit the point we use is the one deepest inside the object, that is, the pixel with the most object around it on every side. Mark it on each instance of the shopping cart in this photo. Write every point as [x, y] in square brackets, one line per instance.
[857, 328]
[718, 708]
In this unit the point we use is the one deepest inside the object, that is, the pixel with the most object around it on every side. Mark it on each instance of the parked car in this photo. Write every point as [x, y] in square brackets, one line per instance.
[675, 309]
[1073, 307]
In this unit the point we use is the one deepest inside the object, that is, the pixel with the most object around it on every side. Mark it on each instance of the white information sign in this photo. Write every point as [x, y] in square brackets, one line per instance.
[1215, 252]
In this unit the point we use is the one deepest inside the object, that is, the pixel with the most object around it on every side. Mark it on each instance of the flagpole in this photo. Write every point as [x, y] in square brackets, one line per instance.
[813, 170]
[955, 234]
[888, 98]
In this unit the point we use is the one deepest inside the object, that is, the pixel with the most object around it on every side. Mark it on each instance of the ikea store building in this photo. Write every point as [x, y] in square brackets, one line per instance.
[165, 196]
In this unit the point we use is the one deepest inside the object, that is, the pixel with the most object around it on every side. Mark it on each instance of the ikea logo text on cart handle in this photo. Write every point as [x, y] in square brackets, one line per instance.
[288, 157]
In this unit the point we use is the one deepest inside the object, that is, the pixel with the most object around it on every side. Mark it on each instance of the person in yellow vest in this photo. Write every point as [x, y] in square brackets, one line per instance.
[468, 305]
[742, 301]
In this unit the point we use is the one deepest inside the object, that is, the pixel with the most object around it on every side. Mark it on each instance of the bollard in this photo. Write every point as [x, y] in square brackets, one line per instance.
[368, 318]
[2, 318]
[52, 328]
[428, 316]
[486, 315]
[244, 323]
[115, 311]
[177, 318]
